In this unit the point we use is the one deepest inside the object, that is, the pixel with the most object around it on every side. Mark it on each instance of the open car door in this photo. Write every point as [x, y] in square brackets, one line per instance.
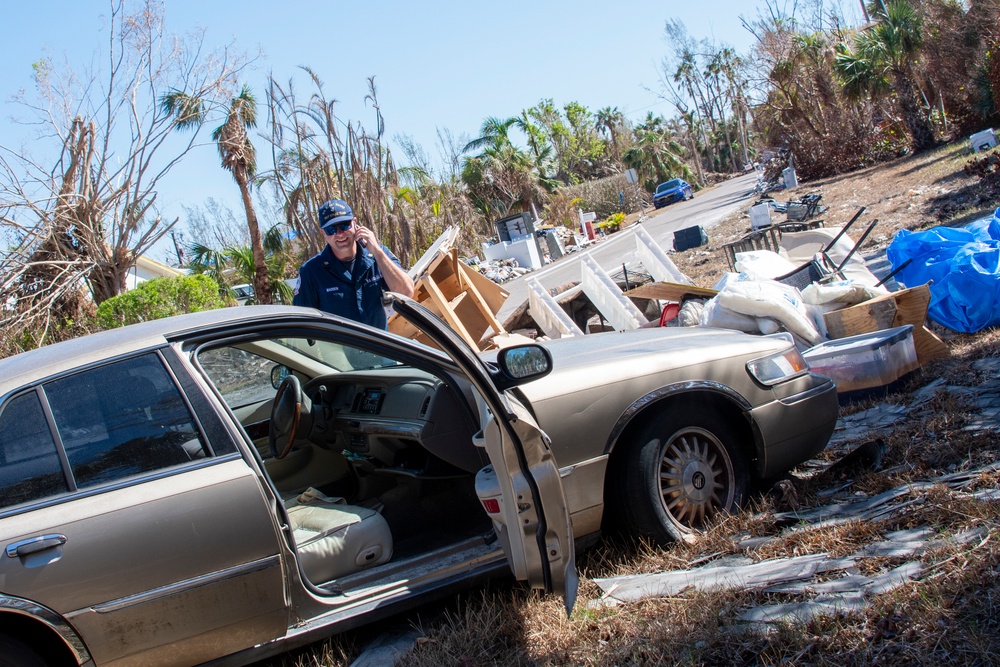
[532, 518]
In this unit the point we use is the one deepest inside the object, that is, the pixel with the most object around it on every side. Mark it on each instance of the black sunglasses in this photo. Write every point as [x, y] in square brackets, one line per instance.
[335, 227]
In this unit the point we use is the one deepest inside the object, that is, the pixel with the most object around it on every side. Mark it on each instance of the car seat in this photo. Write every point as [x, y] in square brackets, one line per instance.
[334, 539]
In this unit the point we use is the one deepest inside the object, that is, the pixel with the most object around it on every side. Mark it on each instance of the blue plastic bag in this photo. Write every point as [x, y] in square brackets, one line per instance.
[963, 266]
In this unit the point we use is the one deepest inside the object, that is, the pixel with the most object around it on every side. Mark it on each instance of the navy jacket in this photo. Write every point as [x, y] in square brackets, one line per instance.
[326, 283]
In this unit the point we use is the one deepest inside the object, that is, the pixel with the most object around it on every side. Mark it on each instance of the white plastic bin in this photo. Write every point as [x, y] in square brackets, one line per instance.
[760, 215]
[866, 362]
[983, 141]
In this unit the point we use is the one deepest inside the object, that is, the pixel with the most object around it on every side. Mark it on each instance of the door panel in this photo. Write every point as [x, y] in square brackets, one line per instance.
[536, 529]
[185, 564]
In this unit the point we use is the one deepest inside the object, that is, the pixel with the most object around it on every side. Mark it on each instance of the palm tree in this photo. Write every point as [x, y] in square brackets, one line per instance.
[494, 133]
[656, 155]
[240, 159]
[237, 264]
[540, 148]
[881, 62]
[611, 121]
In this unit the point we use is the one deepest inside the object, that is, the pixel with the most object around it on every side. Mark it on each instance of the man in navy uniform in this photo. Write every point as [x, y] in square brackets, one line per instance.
[349, 276]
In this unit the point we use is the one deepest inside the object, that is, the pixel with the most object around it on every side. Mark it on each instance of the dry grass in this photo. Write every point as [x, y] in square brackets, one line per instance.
[948, 616]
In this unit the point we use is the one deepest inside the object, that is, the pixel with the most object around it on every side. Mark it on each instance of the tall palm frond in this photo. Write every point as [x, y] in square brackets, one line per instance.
[494, 133]
[188, 110]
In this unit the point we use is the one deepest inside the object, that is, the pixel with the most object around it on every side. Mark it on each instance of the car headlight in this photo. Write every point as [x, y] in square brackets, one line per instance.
[779, 366]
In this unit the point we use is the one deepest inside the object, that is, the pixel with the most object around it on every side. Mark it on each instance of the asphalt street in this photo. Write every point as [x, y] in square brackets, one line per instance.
[706, 209]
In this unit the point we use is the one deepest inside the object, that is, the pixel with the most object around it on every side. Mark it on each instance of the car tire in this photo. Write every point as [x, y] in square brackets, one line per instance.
[699, 450]
[15, 653]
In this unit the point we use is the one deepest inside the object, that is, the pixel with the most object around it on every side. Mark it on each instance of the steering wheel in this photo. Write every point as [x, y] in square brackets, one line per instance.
[286, 413]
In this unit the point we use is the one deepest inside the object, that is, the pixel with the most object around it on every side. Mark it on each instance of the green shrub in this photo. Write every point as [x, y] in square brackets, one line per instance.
[161, 297]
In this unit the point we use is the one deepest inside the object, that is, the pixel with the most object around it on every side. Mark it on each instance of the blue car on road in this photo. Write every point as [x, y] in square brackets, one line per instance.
[676, 189]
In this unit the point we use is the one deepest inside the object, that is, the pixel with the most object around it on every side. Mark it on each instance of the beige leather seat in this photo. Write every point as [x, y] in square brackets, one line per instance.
[334, 539]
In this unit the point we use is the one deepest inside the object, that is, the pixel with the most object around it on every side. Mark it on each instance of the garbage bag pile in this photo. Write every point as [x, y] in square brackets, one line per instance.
[963, 266]
[755, 304]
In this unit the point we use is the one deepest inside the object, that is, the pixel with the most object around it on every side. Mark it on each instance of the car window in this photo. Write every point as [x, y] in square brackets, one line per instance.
[122, 419]
[29, 462]
[668, 185]
[242, 377]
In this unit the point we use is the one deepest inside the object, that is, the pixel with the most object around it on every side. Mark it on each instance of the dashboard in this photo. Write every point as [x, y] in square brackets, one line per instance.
[400, 419]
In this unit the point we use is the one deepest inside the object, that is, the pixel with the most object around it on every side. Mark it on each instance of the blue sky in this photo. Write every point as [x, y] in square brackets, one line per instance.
[436, 64]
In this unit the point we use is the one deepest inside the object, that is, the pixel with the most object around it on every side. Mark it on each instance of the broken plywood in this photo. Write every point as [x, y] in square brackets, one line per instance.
[668, 291]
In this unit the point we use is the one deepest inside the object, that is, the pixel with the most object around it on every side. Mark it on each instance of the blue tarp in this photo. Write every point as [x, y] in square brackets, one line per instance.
[963, 266]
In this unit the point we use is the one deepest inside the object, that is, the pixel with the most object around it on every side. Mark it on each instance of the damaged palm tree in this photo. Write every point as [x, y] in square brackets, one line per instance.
[240, 159]
[318, 157]
[75, 229]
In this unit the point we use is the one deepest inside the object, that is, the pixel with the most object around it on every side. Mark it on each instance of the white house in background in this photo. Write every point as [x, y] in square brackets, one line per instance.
[147, 269]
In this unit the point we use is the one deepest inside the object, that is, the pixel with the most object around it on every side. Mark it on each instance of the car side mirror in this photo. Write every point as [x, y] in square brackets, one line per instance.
[522, 363]
[278, 374]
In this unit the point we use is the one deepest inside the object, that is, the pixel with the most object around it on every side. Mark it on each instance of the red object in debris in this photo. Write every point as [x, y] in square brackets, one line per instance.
[669, 312]
[590, 230]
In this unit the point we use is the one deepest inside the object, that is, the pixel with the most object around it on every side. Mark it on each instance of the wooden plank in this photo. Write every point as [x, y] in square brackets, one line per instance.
[494, 295]
[487, 315]
[873, 315]
[473, 318]
[908, 306]
[455, 263]
[443, 275]
[437, 298]
[671, 292]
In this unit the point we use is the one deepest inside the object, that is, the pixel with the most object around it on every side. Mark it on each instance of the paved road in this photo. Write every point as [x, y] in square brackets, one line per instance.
[706, 209]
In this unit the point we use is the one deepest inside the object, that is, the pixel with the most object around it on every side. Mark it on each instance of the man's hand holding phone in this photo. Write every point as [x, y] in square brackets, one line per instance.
[366, 237]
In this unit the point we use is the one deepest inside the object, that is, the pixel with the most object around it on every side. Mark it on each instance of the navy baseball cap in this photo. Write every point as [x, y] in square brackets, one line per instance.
[334, 211]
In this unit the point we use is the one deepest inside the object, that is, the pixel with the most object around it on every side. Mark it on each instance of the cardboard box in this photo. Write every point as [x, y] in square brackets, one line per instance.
[908, 306]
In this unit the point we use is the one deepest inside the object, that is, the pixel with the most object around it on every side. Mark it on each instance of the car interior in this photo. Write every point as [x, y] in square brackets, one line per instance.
[381, 472]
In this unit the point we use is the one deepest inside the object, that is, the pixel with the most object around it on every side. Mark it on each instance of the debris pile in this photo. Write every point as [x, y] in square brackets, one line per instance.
[501, 270]
[463, 297]
[811, 284]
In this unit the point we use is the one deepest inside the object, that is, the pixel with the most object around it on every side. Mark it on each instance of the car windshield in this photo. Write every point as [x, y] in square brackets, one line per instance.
[338, 357]
[246, 373]
[669, 185]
